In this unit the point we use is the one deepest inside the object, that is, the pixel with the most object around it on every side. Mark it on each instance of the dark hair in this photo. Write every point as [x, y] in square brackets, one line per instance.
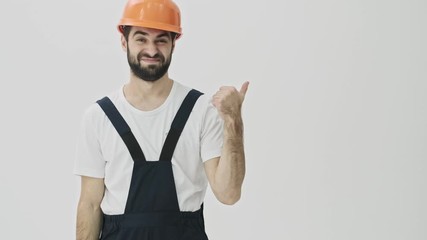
[126, 32]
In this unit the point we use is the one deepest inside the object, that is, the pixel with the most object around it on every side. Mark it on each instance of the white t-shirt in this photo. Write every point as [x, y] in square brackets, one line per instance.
[101, 153]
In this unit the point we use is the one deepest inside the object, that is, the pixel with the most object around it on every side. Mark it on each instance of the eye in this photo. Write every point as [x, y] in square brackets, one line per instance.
[162, 41]
[141, 40]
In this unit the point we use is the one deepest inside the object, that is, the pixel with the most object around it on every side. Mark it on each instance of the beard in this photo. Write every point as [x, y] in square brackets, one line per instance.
[149, 73]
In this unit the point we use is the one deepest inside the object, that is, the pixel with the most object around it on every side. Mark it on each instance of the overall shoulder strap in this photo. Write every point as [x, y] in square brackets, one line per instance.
[178, 124]
[122, 128]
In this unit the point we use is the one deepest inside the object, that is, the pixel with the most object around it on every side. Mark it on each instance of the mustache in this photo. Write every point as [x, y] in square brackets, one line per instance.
[155, 56]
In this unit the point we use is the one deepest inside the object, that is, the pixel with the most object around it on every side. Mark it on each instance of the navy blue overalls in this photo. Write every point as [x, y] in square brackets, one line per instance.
[152, 210]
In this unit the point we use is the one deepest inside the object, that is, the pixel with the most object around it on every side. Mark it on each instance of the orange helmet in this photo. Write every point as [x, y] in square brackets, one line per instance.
[157, 14]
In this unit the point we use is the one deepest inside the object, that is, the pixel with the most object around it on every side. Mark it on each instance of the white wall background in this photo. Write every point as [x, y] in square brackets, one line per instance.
[335, 116]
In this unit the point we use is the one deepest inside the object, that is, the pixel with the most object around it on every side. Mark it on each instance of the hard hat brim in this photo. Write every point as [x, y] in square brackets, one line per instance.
[154, 25]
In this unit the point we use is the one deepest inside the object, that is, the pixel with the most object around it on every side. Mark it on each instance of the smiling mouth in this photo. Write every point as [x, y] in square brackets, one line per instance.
[150, 60]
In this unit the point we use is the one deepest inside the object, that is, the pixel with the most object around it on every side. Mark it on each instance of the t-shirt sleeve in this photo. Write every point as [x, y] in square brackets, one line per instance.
[212, 134]
[88, 158]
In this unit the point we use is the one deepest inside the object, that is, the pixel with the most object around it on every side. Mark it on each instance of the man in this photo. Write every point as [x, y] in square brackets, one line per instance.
[147, 151]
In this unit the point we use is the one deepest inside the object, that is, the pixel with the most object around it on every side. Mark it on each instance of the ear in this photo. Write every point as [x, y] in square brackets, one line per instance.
[124, 43]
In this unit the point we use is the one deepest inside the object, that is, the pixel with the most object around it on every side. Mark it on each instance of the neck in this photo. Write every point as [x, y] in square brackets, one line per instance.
[146, 95]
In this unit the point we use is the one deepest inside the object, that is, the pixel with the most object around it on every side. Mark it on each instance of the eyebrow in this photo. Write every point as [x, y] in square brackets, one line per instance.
[146, 34]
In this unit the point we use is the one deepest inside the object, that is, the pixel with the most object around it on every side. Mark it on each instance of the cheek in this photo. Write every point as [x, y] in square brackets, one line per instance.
[134, 52]
[133, 47]
[167, 53]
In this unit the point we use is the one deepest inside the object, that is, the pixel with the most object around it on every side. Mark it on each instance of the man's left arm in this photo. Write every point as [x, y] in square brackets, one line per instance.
[226, 173]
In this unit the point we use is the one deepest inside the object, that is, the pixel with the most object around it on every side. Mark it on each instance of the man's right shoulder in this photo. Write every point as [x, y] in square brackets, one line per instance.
[94, 110]
[93, 113]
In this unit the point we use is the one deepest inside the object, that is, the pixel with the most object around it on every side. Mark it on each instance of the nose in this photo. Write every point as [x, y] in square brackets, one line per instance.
[151, 49]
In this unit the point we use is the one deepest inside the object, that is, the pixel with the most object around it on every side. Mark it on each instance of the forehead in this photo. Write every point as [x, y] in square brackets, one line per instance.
[148, 31]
